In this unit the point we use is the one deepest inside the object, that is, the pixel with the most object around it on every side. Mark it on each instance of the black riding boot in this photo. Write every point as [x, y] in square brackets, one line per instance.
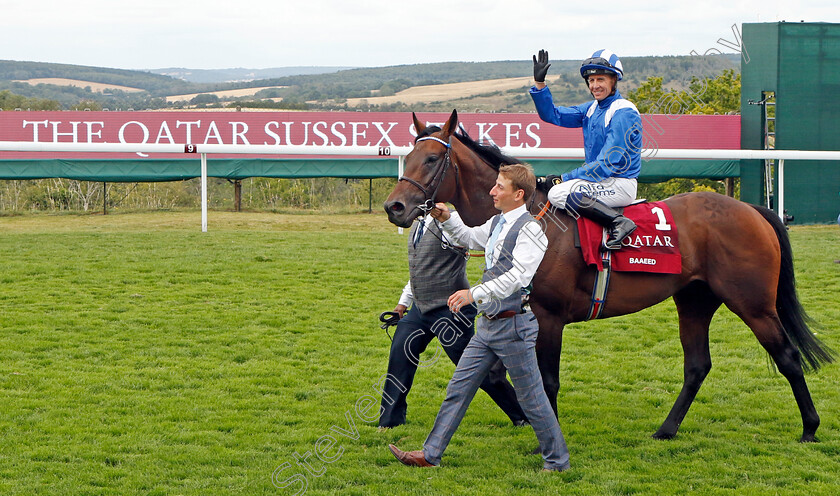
[619, 226]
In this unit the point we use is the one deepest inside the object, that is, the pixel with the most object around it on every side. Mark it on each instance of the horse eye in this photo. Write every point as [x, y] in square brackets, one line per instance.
[431, 159]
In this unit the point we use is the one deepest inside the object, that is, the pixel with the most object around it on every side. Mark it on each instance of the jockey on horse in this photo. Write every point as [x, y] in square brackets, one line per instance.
[612, 137]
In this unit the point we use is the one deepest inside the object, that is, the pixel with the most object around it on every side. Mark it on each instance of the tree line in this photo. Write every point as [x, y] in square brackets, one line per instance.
[718, 95]
[331, 90]
[257, 194]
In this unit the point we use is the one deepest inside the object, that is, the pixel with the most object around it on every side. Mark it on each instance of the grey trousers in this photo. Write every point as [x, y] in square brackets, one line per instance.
[513, 341]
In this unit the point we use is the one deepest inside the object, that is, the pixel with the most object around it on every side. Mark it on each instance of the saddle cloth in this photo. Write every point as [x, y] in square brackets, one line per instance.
[653, 246]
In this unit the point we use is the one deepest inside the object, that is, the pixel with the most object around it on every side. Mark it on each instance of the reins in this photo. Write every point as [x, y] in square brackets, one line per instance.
[446, 245]
[544, 210]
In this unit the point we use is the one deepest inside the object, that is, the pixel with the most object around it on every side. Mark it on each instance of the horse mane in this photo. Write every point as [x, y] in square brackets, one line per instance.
[427, 132]
[491, 154]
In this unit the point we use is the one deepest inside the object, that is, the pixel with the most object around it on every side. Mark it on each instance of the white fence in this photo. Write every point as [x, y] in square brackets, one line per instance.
[400, 152]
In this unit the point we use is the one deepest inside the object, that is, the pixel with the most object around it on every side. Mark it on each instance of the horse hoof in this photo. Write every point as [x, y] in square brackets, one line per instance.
[808, 438]
[663, 435]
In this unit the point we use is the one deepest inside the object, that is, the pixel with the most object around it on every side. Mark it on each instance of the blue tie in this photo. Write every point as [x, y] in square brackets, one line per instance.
[494, 236]
[419, 233]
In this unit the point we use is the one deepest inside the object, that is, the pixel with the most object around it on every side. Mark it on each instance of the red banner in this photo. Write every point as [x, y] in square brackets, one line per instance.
[379, 129]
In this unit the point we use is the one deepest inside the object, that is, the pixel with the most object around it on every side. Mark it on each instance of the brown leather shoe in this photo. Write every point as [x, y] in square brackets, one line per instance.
[410, 458]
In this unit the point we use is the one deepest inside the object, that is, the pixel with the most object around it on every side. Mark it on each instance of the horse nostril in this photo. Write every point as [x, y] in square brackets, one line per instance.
[396, 207]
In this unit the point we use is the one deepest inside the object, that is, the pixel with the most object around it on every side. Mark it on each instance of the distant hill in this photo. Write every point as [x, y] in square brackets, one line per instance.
[333, 88]
[11, 70]
[240, 74]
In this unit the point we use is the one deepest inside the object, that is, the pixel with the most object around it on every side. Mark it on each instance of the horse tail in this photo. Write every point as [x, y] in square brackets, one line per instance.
[813, 353]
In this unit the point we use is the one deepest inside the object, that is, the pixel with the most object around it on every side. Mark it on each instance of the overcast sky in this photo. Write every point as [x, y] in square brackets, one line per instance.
[216, 34]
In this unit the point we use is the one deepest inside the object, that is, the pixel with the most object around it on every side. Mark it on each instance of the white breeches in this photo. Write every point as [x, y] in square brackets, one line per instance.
[612, 192]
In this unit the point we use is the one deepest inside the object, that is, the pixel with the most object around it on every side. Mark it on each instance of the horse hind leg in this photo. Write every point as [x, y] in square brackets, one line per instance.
[766, 301]
[696, 304]
[770, 333]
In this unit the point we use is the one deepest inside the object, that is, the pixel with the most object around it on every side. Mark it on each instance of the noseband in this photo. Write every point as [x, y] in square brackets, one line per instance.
[437, 179]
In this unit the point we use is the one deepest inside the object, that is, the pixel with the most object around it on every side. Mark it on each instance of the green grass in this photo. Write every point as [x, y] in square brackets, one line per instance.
[141, 356]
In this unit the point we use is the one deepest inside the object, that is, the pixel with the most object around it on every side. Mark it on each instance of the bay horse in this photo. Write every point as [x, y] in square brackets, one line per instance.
[733, 253]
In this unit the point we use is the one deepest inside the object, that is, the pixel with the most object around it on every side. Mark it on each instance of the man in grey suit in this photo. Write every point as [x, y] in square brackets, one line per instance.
[437, 268]
[514, 247]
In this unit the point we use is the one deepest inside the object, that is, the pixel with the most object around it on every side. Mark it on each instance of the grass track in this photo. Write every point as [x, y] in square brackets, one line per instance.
[141, 356]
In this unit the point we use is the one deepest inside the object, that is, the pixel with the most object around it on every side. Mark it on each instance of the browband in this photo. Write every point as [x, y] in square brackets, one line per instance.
[444, 143]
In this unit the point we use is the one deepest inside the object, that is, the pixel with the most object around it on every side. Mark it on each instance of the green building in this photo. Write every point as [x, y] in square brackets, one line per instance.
[790, 100]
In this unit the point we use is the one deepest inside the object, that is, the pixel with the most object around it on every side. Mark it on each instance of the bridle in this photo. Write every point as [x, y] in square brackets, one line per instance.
[433, 186]
[437, 179]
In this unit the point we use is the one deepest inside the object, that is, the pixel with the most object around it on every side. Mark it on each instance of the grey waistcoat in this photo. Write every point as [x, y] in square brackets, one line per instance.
[504, 262]
[435, 273]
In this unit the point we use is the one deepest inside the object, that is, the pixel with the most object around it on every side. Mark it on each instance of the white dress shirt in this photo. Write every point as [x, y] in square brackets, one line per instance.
[527, 253]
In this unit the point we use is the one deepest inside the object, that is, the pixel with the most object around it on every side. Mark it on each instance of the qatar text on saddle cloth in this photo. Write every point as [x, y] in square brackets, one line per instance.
[653, 247]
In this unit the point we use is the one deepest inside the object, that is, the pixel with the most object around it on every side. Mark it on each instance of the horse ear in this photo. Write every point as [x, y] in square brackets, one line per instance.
[418, 126]
[451, 124]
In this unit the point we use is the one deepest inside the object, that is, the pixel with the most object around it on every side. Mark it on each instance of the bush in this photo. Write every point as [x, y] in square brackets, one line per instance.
[204, 99]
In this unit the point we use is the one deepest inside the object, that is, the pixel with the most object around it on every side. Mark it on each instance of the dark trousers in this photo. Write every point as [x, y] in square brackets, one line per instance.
[414, 333]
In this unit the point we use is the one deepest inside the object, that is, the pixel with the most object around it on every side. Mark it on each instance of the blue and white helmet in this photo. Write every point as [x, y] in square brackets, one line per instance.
[602, 62]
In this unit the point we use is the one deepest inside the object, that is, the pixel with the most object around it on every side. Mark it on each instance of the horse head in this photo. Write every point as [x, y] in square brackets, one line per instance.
[429, 174]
